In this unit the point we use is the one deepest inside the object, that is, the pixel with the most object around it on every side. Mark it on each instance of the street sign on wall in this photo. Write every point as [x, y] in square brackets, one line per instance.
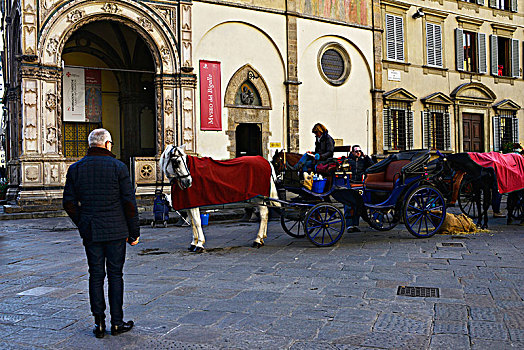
[210, 96]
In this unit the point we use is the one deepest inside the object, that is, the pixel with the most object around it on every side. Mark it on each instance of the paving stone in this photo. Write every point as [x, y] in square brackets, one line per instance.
[388, 340]
[304, 330]
[516, 334]
[402, 323]
[449, 327]
[452, 312]
[449, 341]
[484, 314]
[483, 344]
[488, 330]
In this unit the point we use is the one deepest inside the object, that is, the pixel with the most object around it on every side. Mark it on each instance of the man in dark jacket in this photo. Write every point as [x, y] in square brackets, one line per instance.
[99, 198]
[358, 163]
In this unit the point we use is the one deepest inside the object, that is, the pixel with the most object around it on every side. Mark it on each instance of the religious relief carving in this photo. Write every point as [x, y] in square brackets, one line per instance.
[145, 23]
[111, 8]
[246, 96]
[164, 51]
[31, 173]
[51, 134]
[170, 136]
[169, 106]
[50, 101]
[75, 15]
[52, 46]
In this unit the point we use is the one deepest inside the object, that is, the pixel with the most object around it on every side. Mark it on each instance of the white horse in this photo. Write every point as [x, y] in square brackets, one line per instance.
[174, 164]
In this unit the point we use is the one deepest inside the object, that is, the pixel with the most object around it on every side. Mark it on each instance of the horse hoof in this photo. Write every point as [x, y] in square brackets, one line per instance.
[191, 247]
[198, 250]
[257, 245]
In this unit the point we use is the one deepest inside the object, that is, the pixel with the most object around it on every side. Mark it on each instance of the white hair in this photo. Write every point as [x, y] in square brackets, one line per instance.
[98, 137]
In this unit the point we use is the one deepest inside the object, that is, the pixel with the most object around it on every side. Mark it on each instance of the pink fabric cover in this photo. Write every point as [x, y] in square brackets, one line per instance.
[223, 181]
[509, 169]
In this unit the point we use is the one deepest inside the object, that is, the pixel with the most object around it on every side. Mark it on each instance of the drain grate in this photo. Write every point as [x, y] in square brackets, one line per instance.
[423, 292]
[453, 244]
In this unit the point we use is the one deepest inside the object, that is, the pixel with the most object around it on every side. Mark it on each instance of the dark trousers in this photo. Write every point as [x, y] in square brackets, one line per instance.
[112, 255]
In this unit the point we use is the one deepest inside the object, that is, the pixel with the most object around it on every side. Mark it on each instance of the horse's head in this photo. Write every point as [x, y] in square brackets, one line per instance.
[278, 161]
[174, 164]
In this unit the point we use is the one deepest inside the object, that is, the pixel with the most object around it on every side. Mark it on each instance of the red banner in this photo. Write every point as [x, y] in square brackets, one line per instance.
[93, 102]
[210, 96]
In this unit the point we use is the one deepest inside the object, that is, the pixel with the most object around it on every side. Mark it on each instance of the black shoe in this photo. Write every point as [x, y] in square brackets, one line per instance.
[353, 229]
[100, 326]
[124, 327]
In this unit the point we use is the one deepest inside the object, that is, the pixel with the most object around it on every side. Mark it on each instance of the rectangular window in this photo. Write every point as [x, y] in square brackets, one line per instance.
[398, 127]
[470, 51]
[503, 64]
[503, 4]
[506, 5]
[434, 44]
[436, 128]
[394, 38]
[505, 129]
[75, 138]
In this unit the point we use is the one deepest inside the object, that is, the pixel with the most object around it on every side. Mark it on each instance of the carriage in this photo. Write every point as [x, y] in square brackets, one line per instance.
[401, 188]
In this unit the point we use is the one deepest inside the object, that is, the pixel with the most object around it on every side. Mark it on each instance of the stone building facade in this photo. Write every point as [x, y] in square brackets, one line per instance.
[452, 74]
[284, 65]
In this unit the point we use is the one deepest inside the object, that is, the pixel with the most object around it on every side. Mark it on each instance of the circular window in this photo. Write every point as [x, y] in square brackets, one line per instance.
[334, 63]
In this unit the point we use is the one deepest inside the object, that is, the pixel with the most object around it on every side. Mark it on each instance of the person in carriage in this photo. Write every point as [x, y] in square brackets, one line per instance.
[324, 149]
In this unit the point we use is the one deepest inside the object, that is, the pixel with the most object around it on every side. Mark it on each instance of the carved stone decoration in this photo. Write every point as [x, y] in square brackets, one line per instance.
[111, 8]
[54, 173]
[75, 15]
[186, 17]
[146, 171]
[50, 101]
[145, 23]
[31, 173]
[169, 106]
[170, 136]
[164, 51]
[30, 132]
[52, 46]
[51, 134]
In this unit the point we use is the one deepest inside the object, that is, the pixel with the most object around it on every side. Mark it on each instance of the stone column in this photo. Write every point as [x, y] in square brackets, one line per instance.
[292, 78]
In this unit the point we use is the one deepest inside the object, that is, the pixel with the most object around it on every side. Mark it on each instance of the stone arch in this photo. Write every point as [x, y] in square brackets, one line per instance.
[150, 26]
[473, 91]
[238, 114]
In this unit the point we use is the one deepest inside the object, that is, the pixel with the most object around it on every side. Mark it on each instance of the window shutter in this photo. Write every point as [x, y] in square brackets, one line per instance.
[430, 44]
[493, 3]
[447, 131]
[481, 44]
[390, 37]
[515, 60]
[437, 31]
[496, 133]
[494, 55]
[513, 6]
[480, 2]
[459, 53]
[399, 38]
[409, 130]
[387, 128]
[515, 130]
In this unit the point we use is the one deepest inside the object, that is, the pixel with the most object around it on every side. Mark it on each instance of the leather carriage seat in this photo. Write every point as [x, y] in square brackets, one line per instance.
[385, 180]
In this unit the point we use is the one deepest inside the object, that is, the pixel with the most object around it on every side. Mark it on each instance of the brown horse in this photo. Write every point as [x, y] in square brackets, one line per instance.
[284, 160]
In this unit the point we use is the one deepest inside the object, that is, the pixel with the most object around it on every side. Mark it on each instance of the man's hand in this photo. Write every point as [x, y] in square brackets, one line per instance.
[131, 242]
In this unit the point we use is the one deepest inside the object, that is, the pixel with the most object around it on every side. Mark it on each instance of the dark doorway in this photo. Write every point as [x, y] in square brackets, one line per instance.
[248, 140]
[473, 132]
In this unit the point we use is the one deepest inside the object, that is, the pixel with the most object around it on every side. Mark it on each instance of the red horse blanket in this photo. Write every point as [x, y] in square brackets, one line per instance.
[509, 169]
[223, 181]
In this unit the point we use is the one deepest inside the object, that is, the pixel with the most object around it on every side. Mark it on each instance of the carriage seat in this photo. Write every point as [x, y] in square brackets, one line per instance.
[385, 180]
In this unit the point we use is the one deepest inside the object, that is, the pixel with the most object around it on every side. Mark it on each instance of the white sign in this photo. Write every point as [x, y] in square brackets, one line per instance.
[74, 95]
[393, 75]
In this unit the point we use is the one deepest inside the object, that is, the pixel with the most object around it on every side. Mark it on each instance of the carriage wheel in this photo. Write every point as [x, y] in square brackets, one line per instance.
[518, 212]
[381, 219]
[292, 221]
[324, 224]
[424, 211]
[466, 199]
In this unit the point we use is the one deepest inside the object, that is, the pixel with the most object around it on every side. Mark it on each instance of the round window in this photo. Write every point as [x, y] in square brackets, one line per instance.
[334, 63]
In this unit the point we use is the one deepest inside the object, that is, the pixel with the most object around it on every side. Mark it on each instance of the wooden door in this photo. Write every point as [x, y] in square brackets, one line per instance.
[473, 132]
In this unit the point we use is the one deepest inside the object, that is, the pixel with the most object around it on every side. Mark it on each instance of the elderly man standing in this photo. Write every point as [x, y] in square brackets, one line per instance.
[99, 198]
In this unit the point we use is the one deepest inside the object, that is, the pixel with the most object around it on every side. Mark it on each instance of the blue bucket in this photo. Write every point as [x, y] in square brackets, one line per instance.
[204, 219]
[318, 186]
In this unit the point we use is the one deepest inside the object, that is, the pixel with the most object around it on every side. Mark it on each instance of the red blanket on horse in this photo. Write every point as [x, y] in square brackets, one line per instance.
[223, 181]
[509, 169]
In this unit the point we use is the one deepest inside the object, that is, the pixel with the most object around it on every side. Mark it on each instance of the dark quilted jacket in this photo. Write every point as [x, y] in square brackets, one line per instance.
[99, 198]
[325, 146]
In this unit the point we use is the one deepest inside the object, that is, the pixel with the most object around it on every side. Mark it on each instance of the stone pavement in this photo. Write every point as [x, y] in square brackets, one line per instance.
[286, 295]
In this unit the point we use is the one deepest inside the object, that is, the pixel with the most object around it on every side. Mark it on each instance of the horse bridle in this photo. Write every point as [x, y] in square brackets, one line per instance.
[177, 155]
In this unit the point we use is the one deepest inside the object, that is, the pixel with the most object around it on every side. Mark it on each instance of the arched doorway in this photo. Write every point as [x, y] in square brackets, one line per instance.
[248, 140]
[118, 71]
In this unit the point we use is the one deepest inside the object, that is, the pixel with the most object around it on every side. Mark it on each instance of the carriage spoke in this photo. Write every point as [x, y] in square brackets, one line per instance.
[426, 222]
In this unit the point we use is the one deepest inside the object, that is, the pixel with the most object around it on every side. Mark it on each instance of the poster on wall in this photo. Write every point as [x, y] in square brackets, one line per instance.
[93, 95]
[74, 95]
[210, 96]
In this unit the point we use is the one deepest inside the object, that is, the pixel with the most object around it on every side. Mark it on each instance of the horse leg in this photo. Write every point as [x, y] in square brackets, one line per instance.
[197, 245]
[510, 206]
[262, 231]
[477, 197]
[485, 205]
